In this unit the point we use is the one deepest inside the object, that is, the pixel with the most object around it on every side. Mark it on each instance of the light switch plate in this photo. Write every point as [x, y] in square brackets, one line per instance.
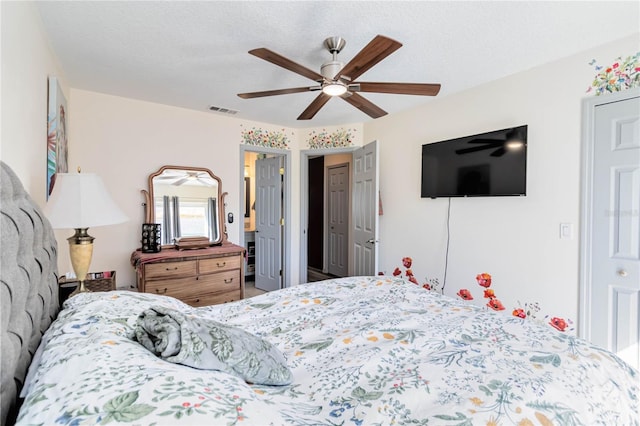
[566, 231]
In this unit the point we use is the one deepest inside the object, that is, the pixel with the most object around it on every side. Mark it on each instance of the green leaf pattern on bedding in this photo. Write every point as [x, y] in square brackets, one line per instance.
[362, 350]
[206, 344]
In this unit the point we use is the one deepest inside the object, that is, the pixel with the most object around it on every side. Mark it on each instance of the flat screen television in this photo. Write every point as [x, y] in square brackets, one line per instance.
[484, 165]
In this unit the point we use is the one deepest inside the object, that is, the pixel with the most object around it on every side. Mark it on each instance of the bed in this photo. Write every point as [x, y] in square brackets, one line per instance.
[360, 350]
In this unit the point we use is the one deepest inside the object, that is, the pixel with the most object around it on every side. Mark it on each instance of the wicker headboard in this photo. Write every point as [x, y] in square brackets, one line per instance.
[28, 285]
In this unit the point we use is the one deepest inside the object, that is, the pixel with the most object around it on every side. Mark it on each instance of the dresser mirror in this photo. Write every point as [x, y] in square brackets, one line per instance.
[186, 202]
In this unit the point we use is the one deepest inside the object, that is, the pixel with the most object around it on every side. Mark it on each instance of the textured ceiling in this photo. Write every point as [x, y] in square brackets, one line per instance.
[194, 54]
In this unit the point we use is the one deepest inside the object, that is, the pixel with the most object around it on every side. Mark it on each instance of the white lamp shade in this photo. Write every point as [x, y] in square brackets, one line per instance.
[80, 200]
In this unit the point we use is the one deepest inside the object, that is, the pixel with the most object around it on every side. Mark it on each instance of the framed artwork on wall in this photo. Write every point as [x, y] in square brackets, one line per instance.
[57, 148]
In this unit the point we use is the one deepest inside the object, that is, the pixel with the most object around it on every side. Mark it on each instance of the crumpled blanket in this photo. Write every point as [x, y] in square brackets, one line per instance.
[210, 345]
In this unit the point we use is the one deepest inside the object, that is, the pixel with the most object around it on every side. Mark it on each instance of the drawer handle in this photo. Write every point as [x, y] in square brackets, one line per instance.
[163, 292]
[228, 281]
[221, 266]
[175, 268]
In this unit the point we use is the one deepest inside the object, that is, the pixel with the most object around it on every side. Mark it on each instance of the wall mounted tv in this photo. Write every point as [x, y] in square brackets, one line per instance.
[484, 165]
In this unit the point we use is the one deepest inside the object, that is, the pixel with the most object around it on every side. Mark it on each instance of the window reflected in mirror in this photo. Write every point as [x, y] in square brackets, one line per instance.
[187, 203]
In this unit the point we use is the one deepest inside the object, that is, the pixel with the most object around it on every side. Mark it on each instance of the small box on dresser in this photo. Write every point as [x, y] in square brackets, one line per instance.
[198, 277]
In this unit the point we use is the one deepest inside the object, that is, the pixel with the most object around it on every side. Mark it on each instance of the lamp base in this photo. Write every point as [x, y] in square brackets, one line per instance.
[80, 251]
[80, 289]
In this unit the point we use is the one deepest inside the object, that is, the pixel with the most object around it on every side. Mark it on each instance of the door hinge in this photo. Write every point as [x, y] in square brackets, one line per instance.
[282, 171]
[282, 221]
[280, 272]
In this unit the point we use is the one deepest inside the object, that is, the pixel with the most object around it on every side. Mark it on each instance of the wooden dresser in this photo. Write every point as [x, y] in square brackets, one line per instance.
[198, 277]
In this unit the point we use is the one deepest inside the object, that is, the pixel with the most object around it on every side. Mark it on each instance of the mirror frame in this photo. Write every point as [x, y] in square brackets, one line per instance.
[150, 214]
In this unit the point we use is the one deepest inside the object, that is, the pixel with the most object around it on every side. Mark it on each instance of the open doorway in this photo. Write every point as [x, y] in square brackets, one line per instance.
[362, 201]
[329, 216]
[315, 226]
[265, 230]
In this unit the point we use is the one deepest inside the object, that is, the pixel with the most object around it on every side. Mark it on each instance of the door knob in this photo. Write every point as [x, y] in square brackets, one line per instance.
[622, 273]
[371, 241]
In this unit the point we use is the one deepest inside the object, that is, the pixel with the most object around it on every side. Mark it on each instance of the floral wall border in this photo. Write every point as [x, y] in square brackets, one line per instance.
[338, 139]
[265, 138]
[619, 76]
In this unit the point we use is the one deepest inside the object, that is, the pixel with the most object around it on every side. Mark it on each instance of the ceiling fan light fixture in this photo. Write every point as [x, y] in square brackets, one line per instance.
[514, 145]
[334, 89]
[514, 141]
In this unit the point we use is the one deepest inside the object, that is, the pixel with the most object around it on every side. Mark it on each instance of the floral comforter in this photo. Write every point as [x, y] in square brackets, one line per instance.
[363, 351]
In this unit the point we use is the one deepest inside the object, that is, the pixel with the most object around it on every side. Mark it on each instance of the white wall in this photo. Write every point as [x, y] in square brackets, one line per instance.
[26, 64]
[516, 239]
[124, 140]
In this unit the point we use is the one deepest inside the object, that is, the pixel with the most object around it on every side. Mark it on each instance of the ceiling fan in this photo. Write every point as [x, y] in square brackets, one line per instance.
[188, 176]
[485, 144]
[511, 142]
[337, 79]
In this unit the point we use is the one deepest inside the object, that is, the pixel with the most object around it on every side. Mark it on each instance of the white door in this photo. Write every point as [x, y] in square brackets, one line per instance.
[613, 234]
[268, 234]
[365, 210]
[338, 218]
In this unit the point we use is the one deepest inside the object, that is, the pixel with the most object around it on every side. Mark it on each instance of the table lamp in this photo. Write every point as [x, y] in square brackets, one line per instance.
[79, 201]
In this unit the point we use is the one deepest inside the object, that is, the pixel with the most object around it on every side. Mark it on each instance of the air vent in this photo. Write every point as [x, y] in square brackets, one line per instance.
[223, 110]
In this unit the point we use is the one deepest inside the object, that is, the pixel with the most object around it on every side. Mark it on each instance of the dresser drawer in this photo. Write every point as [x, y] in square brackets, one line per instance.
[187, 287]
[175, 287]
[222, 281]
[170, 269]
[208, 266]
[212, 299]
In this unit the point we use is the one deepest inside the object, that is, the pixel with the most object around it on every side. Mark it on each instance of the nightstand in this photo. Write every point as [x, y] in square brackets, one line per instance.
[96, 281]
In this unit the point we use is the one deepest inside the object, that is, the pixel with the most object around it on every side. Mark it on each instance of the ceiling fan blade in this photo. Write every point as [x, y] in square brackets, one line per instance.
[474, 149]
[283, 62]
[365, 105]
[180, 182]
[314, 107]
[493, 142]
[276, 92]
[498, 152]
[421, 89]
[377, 49]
